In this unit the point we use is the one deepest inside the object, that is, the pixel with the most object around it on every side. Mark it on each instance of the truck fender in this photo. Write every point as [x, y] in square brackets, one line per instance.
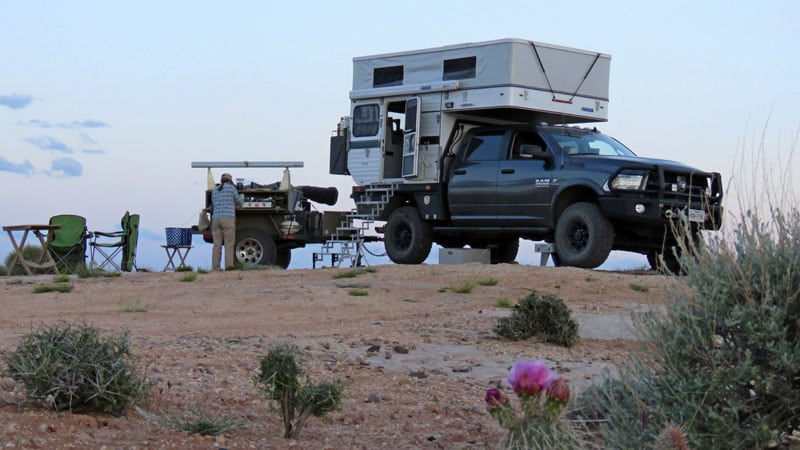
[431, 205]
[572, 191]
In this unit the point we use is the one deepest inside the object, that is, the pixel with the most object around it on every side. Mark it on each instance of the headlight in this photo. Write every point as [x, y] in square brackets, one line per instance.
[629, 180]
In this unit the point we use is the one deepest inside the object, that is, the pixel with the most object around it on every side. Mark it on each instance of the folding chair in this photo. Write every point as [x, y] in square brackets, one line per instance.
[123, 243]
[68, 246]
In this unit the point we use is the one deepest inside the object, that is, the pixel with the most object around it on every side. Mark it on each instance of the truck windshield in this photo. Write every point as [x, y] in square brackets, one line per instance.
[581, 143]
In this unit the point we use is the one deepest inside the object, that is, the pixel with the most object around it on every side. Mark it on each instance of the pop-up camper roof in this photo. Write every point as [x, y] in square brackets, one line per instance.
[553, 76]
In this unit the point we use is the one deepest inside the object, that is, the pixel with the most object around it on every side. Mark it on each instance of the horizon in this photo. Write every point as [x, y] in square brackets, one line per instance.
[103, 107]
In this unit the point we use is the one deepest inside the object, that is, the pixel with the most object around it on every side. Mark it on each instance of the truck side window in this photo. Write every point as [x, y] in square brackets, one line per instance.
[525, 138]
[485, 146]
[366, 120]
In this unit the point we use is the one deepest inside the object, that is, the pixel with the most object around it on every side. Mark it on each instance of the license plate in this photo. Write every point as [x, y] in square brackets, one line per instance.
[697, 215]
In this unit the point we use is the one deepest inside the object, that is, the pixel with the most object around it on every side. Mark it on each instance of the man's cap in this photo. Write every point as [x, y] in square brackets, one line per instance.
[226, 177]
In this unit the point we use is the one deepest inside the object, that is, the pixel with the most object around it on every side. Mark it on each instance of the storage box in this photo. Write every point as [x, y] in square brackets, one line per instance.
[179, 236]
[464, 255]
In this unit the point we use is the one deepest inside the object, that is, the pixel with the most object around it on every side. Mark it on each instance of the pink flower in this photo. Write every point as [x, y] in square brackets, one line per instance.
[494, 398]
[530, 377]
[558, 390]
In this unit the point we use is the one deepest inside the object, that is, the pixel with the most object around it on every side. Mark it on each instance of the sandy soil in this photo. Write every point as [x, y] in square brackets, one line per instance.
[414, 356]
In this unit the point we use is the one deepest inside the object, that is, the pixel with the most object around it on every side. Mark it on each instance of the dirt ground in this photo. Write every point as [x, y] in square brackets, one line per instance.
[414, 356]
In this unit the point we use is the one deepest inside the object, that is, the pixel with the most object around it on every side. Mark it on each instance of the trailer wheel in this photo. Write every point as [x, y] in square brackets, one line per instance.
[284, 258]
[583, 236]
[254, 246]
[407, 237]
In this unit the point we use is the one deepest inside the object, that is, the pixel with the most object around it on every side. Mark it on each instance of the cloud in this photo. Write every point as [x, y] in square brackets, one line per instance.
[49, 143]
[94, 151]
[86, 139]
[74, 125]
[24, 168]
[16, 101]
[65, 167]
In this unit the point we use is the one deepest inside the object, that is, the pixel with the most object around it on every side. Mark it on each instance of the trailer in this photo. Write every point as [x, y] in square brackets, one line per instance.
[278, 217]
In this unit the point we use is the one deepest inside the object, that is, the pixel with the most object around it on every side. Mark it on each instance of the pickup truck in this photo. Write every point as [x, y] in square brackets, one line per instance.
[577, 188]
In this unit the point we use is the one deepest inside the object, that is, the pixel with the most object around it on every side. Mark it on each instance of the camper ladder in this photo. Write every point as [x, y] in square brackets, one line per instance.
[346, 243]
[376, 198]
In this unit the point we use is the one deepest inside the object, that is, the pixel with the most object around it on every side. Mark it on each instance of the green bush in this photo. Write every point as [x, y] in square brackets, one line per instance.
[199, 422]
[279, 379]
[31, 252]
[73, 367]
[546, 317]
[723, 364]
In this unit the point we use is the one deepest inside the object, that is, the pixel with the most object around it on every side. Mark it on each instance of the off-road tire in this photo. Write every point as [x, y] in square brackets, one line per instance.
[407, 237]
[583, 236]
[254, 246]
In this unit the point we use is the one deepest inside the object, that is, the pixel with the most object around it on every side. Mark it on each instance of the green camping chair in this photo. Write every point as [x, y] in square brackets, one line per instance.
[123, 242]
[68, 246]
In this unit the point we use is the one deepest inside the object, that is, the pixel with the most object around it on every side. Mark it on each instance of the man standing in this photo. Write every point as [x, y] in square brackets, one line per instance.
[224, 200]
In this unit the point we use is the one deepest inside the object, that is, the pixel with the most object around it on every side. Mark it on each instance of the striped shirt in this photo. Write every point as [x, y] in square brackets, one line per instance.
[224, 201]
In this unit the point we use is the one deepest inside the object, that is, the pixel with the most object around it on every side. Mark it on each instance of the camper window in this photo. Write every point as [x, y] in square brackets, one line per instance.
[459, 69]
[387, 76]
[366, 120]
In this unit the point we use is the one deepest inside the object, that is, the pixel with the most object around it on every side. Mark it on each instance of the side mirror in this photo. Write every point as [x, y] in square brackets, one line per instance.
[531, 151]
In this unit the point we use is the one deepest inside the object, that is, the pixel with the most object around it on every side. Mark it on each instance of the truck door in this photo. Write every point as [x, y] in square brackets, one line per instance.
[411, 137]
[524, 185]
[472, 190]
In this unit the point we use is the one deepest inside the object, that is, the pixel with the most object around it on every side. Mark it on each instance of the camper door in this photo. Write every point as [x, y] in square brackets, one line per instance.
[411, 137]
[364, 157]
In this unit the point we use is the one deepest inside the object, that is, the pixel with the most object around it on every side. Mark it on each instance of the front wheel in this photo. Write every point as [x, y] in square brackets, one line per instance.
[407, 237]
[254, 246]
[583, 236]
[284, 259]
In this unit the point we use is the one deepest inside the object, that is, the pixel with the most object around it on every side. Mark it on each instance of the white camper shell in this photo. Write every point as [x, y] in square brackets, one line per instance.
[404, 105]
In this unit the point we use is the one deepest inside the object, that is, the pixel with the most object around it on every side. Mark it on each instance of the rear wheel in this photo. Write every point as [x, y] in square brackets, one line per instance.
[254, 246]
[583, 236]
[407, 237]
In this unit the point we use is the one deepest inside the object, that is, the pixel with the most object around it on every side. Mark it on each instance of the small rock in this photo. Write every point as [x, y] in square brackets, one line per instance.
[418, 374]
[374, 348]
[402, 349]
[462, 369]
[373, 398]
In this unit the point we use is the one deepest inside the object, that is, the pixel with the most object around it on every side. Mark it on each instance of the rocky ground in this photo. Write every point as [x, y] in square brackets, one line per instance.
[414, 356]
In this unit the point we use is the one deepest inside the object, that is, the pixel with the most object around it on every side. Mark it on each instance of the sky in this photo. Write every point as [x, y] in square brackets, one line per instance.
[104, 105]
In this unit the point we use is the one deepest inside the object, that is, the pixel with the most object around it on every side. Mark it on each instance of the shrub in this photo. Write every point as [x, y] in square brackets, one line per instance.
[279, 379]
[723, 364]
[503, 302]
[61, 279]
[546, 317]
[199, 422]
[3, 271]
[73, 367]
[58, 287]
[464, 287]
[489, 282]
[31, 253]
[358, 292]
[189, 276]
[639, 287]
